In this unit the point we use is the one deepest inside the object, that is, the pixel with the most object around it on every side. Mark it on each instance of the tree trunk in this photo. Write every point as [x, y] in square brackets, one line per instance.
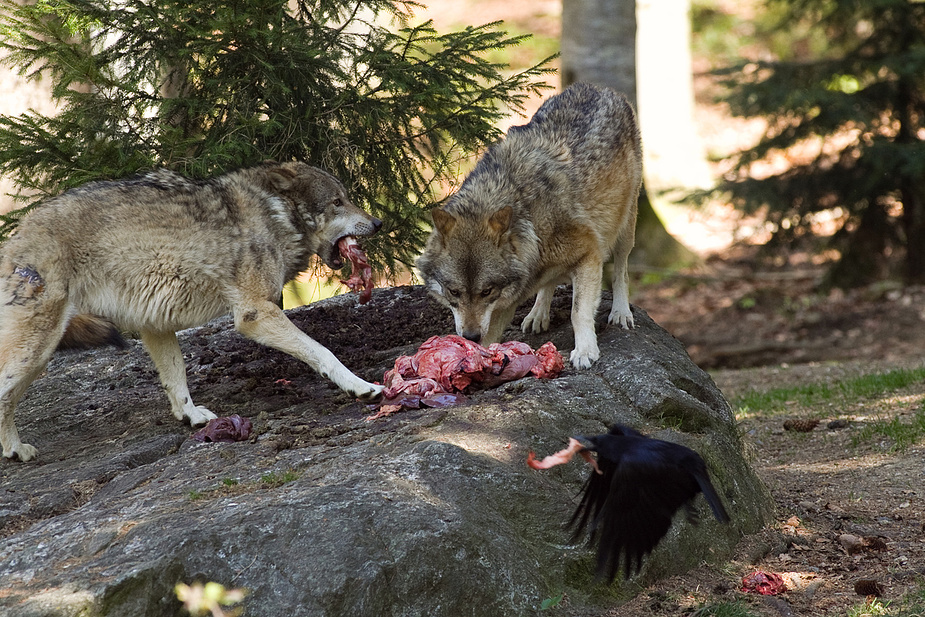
[599, 46]
[912, 190]
[675, 156]
[862, 261]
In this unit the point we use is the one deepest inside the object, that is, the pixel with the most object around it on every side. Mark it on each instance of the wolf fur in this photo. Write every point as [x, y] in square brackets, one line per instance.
[158, 253]
[550, 203]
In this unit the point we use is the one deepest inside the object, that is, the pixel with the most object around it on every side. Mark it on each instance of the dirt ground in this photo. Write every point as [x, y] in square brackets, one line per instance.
[759, 328]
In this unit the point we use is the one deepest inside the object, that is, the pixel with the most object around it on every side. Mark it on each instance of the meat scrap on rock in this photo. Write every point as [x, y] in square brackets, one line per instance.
[446, 367]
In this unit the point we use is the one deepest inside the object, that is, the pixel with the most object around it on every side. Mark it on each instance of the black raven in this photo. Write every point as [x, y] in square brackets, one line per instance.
[637, 486]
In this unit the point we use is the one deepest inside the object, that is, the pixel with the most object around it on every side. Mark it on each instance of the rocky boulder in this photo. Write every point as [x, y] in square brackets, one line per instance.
[425, 513]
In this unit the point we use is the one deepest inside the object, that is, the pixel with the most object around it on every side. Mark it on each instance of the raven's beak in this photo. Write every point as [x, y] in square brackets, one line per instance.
[586, 443]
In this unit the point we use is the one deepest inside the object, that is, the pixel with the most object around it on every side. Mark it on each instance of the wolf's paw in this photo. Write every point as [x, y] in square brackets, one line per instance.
[22, 451]
[623, 318]
[584, 358]
[535, 323]
[198, 415]
[370, 395]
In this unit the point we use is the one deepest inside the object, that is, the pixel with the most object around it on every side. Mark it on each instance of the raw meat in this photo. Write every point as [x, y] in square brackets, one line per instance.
[765, 583]
[563, 456]
[361, 274]
[226, 430]
[453, 365]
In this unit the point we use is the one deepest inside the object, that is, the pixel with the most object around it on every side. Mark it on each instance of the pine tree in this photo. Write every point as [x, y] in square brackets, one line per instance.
[203, 88]
[861, 104]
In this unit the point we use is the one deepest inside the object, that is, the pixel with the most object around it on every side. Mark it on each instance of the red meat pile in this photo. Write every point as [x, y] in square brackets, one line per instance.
[361, 274]
[445, 367]
[765, 583]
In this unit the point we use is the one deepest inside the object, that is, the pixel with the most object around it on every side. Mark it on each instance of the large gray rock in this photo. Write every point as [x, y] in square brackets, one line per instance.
[427, 513]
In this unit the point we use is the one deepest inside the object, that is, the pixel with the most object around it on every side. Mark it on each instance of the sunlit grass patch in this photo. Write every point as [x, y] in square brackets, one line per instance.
[900, 435]
[810, 395]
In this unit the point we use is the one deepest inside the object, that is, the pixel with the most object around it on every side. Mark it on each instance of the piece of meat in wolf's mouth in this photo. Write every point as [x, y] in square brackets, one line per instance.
[361, 274]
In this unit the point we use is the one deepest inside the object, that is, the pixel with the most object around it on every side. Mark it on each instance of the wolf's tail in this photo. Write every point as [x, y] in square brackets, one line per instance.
[86, 331]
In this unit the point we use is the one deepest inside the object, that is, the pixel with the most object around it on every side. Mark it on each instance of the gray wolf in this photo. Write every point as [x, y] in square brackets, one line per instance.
[158, 253]
[549, 203]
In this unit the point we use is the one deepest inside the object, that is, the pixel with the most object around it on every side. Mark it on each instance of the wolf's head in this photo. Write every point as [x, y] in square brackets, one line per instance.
[474, 264]
[318, 203]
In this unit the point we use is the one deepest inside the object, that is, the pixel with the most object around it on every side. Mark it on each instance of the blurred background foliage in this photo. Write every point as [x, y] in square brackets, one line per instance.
[841, 85]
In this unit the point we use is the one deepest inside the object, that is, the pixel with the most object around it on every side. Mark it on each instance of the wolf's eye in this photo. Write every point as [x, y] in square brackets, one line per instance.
[487, 292]
[452, 292]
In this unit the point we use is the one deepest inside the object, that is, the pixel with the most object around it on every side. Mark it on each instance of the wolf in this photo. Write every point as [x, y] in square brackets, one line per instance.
[158, 253]
[548, 204]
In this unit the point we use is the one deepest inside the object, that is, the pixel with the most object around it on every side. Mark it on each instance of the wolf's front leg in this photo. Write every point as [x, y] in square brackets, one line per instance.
[497, 321]
[537, 320]
[586, 295]
[168, 359]
[266, 323]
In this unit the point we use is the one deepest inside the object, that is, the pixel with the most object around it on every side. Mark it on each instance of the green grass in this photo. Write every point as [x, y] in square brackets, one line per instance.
[810, 395]
[900, 434]
[724, 609]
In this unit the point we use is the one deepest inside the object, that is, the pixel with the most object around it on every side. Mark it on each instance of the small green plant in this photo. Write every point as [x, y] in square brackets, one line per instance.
[275, 480]
[194, 495]
[200, 600]
[873, 608]
[230, 482]
[552, 602]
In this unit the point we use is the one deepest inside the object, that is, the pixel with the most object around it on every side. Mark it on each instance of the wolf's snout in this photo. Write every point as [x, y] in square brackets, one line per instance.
[475, 337]
[377, 224]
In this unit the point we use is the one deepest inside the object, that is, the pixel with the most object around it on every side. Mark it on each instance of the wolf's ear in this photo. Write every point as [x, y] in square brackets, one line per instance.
[500, 221]
[444, 222]
[281, 178]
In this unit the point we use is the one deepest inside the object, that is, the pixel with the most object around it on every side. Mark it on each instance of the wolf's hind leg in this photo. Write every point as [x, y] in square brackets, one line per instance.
[620, 312]
[33, 316]
[168, 359]
[266, 323]
[537, 320]
[17, 371]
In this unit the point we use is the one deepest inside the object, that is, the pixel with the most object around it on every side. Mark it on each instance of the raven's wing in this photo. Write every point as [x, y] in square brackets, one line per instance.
[630, 505]
[698, 470]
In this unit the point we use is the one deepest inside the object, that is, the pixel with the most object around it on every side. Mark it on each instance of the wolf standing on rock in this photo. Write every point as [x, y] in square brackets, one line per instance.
[549, 203]
[159, 253]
